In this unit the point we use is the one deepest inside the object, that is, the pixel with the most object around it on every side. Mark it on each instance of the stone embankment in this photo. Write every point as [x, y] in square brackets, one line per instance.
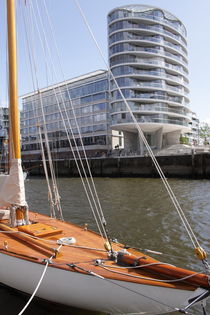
[181, 165]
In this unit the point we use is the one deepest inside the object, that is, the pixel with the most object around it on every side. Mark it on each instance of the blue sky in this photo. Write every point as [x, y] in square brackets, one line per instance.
[80, 55]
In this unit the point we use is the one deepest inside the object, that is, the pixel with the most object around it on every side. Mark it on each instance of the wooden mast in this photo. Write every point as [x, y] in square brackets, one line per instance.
[21, 212]
[13, 95]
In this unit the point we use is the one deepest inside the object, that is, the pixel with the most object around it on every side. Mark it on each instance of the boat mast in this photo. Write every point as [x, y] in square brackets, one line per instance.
[13, 95]
[19, 207]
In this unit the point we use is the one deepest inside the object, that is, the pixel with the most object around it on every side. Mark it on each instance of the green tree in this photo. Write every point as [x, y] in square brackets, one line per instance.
[184, 140]
[204, 131]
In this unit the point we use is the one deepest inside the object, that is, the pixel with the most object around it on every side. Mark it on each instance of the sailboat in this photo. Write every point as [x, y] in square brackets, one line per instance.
[72, 265]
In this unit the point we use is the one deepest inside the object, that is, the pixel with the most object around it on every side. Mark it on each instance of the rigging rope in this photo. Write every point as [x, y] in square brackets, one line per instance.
[50, 196]
[39, 283]
[34, 74]
[92, 192]
[80, 136]
[47, 176]
[88, 190]
[36, 289]
[174, 200]
[147, 278]
[101, 218]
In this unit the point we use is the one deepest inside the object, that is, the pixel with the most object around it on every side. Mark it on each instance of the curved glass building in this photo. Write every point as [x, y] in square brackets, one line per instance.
[148, 57]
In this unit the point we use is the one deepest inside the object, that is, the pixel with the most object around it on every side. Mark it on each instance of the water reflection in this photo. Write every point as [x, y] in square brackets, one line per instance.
[138, 212]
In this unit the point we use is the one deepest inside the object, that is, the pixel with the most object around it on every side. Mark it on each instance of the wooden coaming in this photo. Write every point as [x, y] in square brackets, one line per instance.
[82, 257]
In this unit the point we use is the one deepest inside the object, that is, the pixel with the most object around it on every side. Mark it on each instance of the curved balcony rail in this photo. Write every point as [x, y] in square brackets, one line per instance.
[159, 95]
[128, 82]
[148, 108]
[128, 70]
[176, 47]
[157, 28]
[123, 59]
[146, 120]
[135, 105]
[177, 68]
[120, 14]
[118, 48]
[127, 36]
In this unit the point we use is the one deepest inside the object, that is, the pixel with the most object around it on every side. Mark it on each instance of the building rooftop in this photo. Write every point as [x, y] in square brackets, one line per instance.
[144, 8]
[73, 80]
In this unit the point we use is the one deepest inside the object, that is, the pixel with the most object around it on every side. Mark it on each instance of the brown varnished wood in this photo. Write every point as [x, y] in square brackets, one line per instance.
[81, 257]
[26, 238]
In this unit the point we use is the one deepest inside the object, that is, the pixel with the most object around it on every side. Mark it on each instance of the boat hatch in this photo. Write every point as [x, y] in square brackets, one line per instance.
[39, 229]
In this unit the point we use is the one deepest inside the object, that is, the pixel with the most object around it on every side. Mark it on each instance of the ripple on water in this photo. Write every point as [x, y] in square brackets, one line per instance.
[138, 212]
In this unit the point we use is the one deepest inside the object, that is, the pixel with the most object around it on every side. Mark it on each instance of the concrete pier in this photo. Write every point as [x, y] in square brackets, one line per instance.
[186, 166]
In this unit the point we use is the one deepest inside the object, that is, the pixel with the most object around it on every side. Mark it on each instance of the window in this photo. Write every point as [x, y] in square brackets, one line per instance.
[99, 117]
[99, 107]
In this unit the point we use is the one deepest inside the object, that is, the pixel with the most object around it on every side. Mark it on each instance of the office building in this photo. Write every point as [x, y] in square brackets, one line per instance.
[148, 59]
[89, 99]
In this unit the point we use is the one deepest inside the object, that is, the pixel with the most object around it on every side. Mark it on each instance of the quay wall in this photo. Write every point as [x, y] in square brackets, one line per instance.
[186, 166]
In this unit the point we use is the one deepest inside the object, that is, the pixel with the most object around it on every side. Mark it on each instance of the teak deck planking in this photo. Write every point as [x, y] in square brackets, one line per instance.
[82, 257]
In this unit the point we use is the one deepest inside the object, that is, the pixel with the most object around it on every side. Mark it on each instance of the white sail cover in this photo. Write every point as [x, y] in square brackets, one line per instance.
[12, 189]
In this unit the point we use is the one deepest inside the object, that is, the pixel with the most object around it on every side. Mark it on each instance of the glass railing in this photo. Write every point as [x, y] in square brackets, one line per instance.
[115, 16]
[173, 78]
[176, 47]
[128, 37]
[159, 73]
[148, 108]
[158, 29]
[179, 58]
[118, 49]
[174, 88]
[136, 84]
[151, 96]
[137, 60]
[147, 120]
[151, 61]
[170, 66]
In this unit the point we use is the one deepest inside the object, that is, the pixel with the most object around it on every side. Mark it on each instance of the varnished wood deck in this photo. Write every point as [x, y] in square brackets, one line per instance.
[81, 257]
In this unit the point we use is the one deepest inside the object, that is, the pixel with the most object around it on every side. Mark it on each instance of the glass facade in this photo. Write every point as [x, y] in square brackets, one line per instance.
[4, 130]
[83, 99]
[148, 58]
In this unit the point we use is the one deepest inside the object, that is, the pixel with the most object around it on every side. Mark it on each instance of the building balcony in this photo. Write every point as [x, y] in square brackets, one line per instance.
[146, 74]
[149, 29]
[132, 38]
[130, 60]
[148, 108]
[148, 52]
[150, 124]
[173, 25]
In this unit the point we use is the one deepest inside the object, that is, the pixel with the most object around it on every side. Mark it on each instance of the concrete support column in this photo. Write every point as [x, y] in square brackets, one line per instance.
[131, 142]
[141, 145]
[173, 137]
[159, 138]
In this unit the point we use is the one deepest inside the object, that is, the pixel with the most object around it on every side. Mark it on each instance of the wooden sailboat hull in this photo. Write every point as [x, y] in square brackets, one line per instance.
[91, 292]
[26, 244]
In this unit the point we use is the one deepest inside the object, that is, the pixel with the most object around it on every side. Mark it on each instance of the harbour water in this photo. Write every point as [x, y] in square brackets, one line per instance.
[138, 212]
